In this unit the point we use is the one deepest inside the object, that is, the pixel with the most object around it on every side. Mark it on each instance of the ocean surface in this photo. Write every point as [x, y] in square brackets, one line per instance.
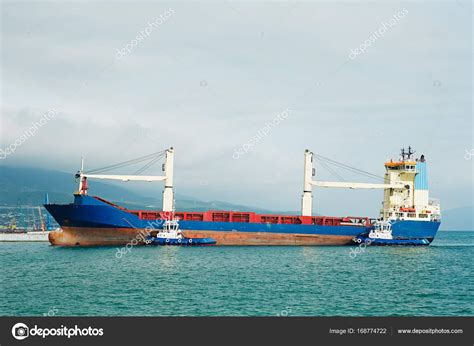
[37, 279]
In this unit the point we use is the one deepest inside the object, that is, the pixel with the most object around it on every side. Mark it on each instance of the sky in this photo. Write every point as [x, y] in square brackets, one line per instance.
[207, 77]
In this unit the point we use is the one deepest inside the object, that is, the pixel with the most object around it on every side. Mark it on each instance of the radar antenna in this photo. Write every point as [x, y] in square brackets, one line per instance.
[410, 153]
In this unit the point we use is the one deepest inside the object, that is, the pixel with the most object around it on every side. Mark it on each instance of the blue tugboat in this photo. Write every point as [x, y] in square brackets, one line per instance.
[381, 235]
[171, 235]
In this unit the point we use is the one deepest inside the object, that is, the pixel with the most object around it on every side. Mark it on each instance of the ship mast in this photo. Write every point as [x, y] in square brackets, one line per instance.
[168, 194]
[307, 198]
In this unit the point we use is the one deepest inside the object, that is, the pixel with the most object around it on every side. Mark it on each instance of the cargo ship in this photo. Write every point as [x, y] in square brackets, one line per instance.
[94, 221]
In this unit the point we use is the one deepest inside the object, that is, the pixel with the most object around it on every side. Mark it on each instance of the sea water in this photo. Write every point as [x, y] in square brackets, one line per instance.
[38, 279]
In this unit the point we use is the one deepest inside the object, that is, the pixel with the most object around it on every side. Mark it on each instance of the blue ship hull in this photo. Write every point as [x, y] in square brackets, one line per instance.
[90, 221]
[407, 229]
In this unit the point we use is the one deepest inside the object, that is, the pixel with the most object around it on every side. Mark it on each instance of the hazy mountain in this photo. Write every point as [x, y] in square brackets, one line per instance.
[458, 219]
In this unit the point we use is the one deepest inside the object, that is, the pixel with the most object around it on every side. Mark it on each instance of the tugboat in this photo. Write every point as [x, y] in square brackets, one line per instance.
[381, 235]
[171, 235]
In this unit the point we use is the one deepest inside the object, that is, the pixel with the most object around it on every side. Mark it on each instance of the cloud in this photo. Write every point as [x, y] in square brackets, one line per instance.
[212, 75]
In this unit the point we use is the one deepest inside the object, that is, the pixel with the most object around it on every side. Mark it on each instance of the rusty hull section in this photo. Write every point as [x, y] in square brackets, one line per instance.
[83, 236]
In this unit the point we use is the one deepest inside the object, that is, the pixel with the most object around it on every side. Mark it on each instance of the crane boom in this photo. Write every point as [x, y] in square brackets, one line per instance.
[125, 177]
[350, 185]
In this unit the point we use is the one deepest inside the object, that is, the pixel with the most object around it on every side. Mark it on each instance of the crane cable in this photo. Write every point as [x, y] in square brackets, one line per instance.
[331, 171]
[148, 165]
[153, 157]
[347, 167]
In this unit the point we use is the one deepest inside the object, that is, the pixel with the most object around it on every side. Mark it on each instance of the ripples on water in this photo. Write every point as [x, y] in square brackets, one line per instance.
[240, 281]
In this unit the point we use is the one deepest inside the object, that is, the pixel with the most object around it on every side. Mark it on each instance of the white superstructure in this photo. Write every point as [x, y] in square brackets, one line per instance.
[413, 203]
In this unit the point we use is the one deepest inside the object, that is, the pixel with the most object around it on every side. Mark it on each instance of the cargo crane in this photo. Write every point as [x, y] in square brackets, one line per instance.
[309, 172]
[405, 187]
[168, 193]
